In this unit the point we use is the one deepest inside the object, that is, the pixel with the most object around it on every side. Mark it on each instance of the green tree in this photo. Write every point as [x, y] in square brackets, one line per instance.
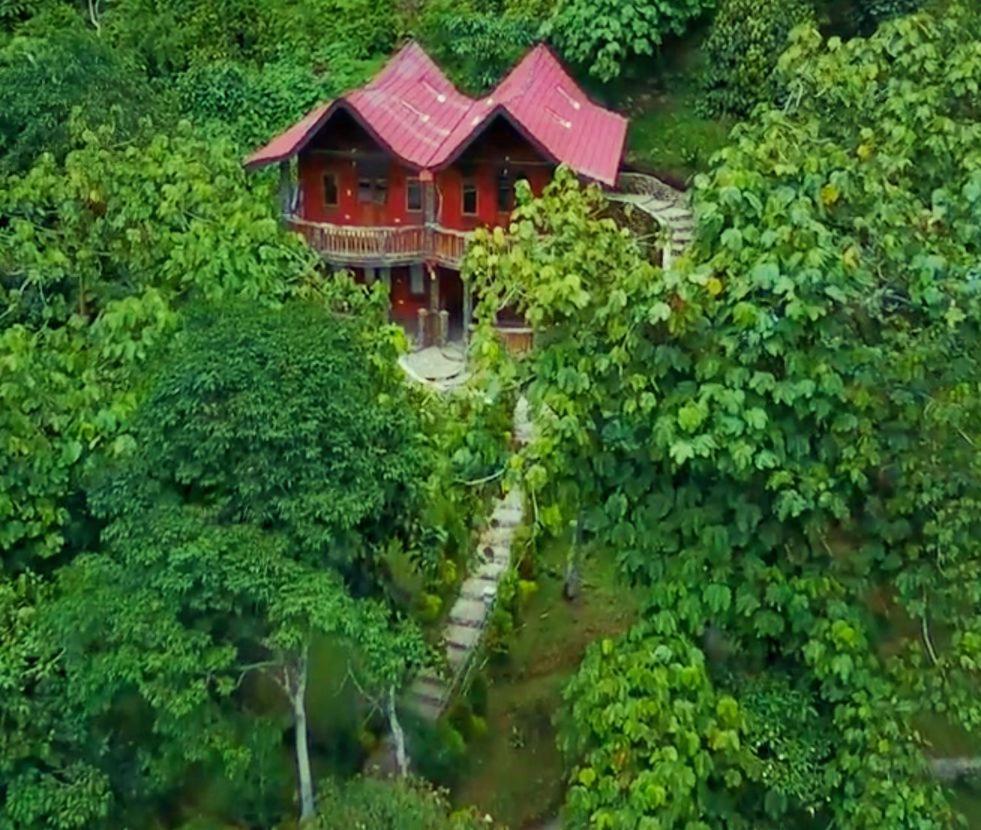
[43, 80]
[650, 737]
[779, 436]
[389, 805]
[171, 36]
[98, 253]
[47, 774]
[604, 35]
[741, 53]
[246, 515]
[475, 44]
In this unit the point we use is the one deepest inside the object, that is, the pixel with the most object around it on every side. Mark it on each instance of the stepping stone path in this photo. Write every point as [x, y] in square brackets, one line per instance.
[670, 208]
[430, 694]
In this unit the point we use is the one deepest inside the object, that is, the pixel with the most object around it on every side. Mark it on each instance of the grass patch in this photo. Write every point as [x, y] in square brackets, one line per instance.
[667, 136]
[515, 772]
[670, 138]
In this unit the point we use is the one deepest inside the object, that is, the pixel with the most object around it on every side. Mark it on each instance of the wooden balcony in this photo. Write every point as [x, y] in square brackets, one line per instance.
[381, 246]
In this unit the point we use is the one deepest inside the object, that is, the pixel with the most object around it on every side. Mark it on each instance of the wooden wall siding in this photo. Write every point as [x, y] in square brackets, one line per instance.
[342, 144]
[499, 147]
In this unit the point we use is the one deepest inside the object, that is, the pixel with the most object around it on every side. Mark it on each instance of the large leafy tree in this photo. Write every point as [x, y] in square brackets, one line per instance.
[741, 52]
[779, 436]
[400, 804]
[604, 35]
[42, 80]
[98, 253]
[247, 514]
[49, 774]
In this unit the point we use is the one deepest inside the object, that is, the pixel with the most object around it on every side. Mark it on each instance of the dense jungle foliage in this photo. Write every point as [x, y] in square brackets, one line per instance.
[229, 529]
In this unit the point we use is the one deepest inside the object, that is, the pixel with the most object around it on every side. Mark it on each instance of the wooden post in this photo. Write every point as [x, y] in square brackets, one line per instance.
[467, 312]
[433, 288]
[285, 187]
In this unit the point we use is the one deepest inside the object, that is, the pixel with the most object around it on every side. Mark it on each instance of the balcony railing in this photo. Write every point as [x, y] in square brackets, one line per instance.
[399, 245]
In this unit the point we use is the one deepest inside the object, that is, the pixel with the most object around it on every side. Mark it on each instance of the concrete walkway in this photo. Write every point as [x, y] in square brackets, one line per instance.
[430, 693]
[441, 367]
[670, 208]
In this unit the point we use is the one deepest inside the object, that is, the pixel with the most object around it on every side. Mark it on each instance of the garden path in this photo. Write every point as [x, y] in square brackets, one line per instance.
[431, 692]
[670, 208]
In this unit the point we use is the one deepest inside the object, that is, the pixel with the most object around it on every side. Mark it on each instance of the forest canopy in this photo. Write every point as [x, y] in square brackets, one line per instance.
[231, 530]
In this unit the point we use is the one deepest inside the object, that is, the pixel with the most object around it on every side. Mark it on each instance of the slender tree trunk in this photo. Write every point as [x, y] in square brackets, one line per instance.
[573, 563]
[398, 735]
[296, 686]
[953, 769]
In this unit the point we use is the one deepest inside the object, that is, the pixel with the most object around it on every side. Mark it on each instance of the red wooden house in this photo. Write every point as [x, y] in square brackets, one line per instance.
[390, 178]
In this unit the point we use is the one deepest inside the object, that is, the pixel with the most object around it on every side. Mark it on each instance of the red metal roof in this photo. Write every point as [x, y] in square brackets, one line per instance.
[413, 110]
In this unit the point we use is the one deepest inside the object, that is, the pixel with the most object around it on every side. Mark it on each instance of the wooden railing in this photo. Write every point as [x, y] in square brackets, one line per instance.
[449, 246]
[356, 245]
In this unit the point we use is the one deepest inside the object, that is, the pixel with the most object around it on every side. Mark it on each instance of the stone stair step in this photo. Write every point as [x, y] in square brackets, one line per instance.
[505, 515]
[424, 708]
[490, 570]
[488, 551]
[468, 612]
[514, 498]
[429, 675]
[500, 535]
[461, 636]
[424, 689]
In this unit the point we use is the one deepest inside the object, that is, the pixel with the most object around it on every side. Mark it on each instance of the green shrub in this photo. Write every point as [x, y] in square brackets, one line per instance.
[478, 693]
[476, 47]
[250, 104]
[603, 35]
[373, 804]
[43, 80]
[868, 14]
[438, 749]
[741, 52]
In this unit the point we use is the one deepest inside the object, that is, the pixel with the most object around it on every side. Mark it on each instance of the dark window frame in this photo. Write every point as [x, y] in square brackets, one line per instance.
[335, 186]
[420, 270]
[372, 190]
[468, 187]
[413, 184]
[505, 188]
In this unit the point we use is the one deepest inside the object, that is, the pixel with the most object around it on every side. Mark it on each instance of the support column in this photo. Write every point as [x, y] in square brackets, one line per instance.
[428, 183]
[285, 188]
[467, 313]
[433, 287]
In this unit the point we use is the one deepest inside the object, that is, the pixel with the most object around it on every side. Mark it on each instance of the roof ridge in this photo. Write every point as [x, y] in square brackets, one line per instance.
[536, 94]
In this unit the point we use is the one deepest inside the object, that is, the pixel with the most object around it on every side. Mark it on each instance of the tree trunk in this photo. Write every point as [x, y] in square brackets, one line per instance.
[953, 769]
[397, 734]
[573, 576]
[296, 686]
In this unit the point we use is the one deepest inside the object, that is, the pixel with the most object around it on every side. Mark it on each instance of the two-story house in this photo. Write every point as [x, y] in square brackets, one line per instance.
[390, 178]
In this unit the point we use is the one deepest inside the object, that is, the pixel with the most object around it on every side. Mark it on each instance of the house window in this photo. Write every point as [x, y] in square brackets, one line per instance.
[505, 195]
[469, 197]
[330, 190]
[372, 181]
[417, 283]
[413, 195]
[373, 191]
